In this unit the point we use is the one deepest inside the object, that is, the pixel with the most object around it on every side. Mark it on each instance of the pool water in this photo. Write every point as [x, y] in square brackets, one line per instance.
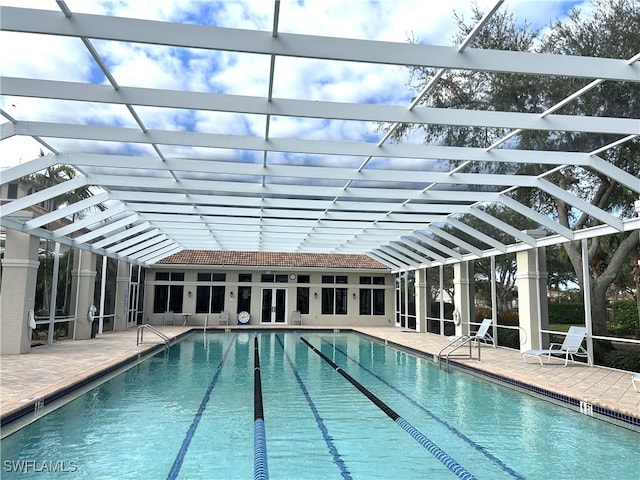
[189, 414]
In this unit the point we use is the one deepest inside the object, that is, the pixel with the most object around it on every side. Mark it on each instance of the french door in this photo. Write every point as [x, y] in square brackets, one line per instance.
[274, 305]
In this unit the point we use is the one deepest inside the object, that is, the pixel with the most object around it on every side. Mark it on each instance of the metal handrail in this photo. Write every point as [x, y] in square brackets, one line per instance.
[455, 345]
[140, 334]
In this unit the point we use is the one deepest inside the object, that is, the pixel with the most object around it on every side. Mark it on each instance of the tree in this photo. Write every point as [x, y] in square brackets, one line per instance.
[613, 30]
[51, 176]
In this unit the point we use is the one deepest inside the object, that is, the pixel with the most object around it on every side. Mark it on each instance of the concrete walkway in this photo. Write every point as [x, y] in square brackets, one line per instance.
[26, 380]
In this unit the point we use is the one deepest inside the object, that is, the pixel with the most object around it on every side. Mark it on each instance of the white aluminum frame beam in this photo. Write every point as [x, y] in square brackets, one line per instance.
[311, 46]
[84, 92]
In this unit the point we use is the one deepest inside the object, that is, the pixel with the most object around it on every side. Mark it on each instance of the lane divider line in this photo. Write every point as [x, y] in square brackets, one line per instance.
[451, 428]
[431, 447]
[337, 459]
[260, 465]
[177, 463]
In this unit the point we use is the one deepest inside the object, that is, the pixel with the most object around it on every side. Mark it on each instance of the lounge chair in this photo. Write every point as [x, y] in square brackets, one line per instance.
[296, 318]
[481, 335]
[635, 381]
[458, 341]
[572, 346]
[224, 318]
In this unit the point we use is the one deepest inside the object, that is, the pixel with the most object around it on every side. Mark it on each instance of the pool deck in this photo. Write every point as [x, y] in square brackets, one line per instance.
[30, 380]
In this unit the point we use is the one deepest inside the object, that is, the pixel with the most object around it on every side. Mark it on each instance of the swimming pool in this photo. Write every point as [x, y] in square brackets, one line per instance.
[383, 414]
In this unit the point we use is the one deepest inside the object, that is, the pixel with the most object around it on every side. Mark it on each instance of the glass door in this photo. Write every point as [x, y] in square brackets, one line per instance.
[274, 305]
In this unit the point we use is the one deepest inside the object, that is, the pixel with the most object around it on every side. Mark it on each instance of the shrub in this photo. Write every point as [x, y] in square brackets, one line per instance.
[625, 318]
[623, 358]
[569, 313]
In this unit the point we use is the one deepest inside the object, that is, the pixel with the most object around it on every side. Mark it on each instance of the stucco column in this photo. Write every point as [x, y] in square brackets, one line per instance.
[82, 290]
[20, 271]
[122, 295]
[421, 299]
[533, 308]
[463, 295]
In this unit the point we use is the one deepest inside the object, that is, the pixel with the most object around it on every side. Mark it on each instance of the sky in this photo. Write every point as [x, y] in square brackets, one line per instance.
[149, 66]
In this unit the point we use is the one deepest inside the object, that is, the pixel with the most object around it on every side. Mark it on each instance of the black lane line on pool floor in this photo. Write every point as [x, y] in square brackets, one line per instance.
[177, 463]
[431, 447]
[495, 460]
[260, 466]
[337, 459]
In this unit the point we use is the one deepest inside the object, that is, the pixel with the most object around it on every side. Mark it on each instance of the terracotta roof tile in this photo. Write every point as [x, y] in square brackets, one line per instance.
[271, 259]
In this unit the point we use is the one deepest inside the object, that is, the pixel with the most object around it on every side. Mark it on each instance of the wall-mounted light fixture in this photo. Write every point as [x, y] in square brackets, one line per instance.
[189, 293]
[315, 294]
[230, 294]
[354, 296]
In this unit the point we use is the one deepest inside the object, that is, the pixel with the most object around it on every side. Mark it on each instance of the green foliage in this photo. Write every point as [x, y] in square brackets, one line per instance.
[623, 358]
[606, 28]
[625, 318]
[567, 313]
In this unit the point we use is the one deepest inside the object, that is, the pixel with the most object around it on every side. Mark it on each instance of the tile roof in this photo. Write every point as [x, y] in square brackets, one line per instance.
[271, 259]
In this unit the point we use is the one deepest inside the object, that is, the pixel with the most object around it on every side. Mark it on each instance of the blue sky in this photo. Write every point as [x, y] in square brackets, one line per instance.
[242, 74]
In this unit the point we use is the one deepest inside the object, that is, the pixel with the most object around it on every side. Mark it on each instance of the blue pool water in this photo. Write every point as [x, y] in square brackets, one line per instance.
[190, 414]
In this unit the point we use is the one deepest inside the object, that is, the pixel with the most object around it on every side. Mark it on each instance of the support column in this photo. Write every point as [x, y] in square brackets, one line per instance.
[533, 307]
[422, 307]
[463, 295]
[122, 295]
[82, 290]
[20, 272]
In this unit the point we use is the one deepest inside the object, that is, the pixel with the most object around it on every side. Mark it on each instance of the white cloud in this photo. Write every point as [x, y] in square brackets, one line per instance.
[58, 58]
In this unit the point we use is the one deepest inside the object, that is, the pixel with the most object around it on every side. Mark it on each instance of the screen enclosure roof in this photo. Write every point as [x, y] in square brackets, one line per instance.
[249, 157]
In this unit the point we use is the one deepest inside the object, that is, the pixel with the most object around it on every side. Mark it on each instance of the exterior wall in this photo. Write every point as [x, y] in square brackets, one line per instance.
[83, 285]
[20, 269]
[315, 285]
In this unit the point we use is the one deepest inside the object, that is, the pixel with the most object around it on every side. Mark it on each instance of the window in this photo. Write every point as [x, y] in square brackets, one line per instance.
[302, 299]
[13, 191]
[208, 277]
[372, 299]
[244, 299]
[167, 296]
[267, 277]
[244, 277]
[304, 278]
[334, 300]
[210, 298]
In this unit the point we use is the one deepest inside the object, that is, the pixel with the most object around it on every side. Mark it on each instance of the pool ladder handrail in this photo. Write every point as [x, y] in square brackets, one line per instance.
[140, 334]
[454, 346]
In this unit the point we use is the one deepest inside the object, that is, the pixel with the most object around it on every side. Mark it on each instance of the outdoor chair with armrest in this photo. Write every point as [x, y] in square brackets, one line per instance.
[570, 347]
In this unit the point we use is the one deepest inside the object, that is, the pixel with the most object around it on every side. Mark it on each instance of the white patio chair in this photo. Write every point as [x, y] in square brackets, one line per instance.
[572, 346]
[168, 318]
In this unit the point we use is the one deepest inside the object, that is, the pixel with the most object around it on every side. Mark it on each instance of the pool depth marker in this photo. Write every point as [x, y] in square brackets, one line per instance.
[431, 447]
[260, 466]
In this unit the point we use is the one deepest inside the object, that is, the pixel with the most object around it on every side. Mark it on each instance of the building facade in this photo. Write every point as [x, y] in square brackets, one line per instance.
[266, 288]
